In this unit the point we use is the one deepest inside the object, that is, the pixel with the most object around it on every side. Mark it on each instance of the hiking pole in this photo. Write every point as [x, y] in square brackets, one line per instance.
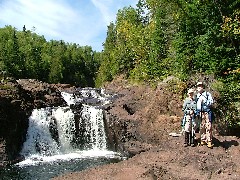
[192, 129]
[200, 125]
[192, 135]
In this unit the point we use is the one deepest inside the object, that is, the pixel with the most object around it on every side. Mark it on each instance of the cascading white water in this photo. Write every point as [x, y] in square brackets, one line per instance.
[65, 139]
[65, 126]
[69, 98]
[53, 131]
[94, 127]
[39, 140]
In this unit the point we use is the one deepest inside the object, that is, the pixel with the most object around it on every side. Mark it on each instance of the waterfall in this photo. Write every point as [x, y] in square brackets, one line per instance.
[62, 130]
[65, 128]
[94, 127]
[39, 140]
[65, 139]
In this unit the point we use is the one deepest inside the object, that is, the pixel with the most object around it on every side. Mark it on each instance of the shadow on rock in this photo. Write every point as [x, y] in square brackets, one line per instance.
[226, 144]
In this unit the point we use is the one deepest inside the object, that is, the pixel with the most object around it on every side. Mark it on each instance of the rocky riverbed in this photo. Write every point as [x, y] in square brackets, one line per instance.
[139, 124]
[144, 118]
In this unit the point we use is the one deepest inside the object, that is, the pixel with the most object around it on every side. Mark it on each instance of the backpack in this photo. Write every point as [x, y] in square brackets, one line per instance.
[210, 111]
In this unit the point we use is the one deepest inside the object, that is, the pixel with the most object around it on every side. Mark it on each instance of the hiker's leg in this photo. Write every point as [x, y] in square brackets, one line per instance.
[197, 121]
[187, 131]
[208, 129]
[186, 138]
[203, 129]
[193, 125]
[187, 126]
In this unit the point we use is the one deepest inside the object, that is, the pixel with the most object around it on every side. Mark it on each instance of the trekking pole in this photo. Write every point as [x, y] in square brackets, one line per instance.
[200, 125]
[192, 129]
[192, 138]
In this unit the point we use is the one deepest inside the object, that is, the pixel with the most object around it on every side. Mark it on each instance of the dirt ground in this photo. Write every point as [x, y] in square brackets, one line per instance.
[156, 112]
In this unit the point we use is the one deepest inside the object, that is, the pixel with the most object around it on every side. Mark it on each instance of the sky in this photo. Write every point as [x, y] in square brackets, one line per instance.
[83, 22]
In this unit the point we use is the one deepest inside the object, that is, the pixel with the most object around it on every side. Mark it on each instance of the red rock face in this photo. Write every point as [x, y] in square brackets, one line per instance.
[142, 116]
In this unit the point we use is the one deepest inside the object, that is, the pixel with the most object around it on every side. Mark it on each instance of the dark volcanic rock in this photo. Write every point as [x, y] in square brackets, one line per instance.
[41, 94]
[134, 118]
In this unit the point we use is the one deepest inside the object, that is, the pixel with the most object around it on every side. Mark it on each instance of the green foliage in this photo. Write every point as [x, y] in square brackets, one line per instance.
[6, 87]
[200, 40]
[229, 105]
[24, 54]
[9, 52]
[160, 38]
[156, 39]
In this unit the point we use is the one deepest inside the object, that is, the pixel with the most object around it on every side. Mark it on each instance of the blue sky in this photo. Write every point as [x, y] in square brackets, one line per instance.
[75, 21]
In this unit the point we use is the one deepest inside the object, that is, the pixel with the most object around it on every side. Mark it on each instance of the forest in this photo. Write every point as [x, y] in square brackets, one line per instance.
[157, 39]
[24, 54]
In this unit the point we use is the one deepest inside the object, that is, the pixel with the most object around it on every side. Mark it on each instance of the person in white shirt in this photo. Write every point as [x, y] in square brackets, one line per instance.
[204, 102]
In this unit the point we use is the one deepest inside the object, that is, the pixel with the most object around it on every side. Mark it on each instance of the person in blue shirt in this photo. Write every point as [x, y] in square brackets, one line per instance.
[204, 102]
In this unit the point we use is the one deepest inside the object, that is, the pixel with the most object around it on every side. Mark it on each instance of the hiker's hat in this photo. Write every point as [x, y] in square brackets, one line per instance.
[200, 84]
[190, 91]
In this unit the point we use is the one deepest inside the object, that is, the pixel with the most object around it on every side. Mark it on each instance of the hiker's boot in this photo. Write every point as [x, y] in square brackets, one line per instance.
[202, 143]
[210, 145]
[186, 141]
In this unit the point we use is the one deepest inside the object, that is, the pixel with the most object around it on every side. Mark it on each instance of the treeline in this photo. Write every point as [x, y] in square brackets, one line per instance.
[24, 54]
[183, 38]
[156, 39]
[178, 37]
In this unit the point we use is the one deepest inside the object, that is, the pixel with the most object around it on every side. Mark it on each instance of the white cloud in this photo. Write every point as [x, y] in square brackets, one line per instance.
[47, 16]
[105, 7]
[78, 21]
[109, 8]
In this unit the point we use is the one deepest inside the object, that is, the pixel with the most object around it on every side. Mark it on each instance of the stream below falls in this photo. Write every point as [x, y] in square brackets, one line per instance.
[62, 140]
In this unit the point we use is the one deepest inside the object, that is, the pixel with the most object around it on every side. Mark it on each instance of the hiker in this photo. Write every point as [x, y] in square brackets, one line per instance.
[204, 102]
[188, 124]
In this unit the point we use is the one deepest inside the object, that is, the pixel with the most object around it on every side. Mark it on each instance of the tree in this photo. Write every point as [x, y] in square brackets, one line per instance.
[13, 62]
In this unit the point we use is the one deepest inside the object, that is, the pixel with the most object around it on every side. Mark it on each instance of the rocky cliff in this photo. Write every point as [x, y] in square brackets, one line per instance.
[135, 118]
